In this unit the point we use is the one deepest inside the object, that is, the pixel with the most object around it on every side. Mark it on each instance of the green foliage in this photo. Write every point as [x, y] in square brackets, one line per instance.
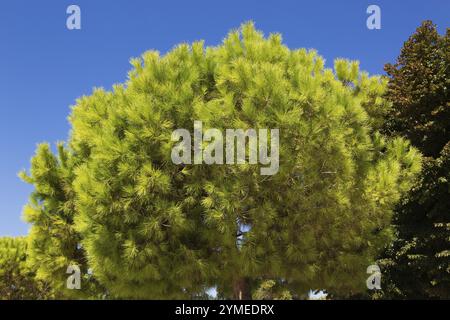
[53, 243]
[418, 263]
[419, 89]
[153, 229]
[271, 290]
[17, 279]
[422, 251]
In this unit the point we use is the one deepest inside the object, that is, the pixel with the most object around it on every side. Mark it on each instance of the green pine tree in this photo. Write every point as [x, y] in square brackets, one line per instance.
[54, 245]
[153, 229]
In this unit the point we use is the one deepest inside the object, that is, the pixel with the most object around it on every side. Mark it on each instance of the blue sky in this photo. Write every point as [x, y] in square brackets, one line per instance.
[44, 66]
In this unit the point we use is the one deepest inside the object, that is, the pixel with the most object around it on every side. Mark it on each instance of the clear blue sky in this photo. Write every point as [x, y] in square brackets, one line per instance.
[44, 67]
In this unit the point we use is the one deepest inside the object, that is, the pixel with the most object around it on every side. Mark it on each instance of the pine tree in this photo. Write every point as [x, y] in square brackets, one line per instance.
[17, 278]
[54, 245]
[154, 229]
[418, 263]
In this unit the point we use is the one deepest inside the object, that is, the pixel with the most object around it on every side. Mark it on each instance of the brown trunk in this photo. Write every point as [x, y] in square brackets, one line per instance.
[241, 289]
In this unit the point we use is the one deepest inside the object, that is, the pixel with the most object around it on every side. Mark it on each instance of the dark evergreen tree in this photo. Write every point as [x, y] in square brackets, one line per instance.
[419, 89]
[418, 263]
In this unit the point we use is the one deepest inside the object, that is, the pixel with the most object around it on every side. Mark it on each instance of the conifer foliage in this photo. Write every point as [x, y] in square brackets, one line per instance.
[53, 243]
[152, 229]
[17, 278]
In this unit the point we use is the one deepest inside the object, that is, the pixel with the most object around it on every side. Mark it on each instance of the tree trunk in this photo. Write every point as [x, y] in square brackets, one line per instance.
[241, 289]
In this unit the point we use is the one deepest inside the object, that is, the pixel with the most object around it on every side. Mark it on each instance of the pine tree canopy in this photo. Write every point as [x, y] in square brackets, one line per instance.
[150, 228]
